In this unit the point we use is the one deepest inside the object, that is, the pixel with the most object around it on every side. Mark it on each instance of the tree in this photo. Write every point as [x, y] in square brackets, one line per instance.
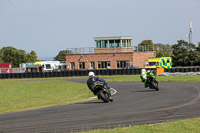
[17, 56]
[183, 53]
[198, 47]
[197, 59]
[62, 55]
[31, 57]
[146, 45]
[13, 55]
[163, 50]
[1, 57]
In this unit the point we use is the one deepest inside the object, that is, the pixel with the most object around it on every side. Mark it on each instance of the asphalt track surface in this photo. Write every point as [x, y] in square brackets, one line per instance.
[133, 105]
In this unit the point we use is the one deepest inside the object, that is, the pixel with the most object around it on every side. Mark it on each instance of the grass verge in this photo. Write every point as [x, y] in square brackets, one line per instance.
[17, 95]
[134, 78]
[182, 126]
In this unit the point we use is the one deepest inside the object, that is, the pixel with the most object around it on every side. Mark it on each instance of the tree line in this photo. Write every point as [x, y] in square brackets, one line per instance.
[16, 56]
[182, 53]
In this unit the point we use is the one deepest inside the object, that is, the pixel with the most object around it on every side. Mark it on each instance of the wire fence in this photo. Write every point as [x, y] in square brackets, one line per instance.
[10, 70]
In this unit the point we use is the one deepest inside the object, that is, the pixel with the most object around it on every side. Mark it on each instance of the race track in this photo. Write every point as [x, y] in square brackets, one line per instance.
[133, 105]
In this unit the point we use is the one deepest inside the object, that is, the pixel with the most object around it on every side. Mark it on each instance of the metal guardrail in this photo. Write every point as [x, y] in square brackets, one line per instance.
[91, 50]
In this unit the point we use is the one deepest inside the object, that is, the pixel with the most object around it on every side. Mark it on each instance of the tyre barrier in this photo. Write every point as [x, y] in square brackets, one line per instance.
[182, 70]
[3, 76]
[128, 71]
[137, 71]
[119, 71]
[97, 72]
[110, 72]
[115, 72]
[69, 73]
[124, 72]
[194, 69]
[107, 72]
[132, 71]
[185, 69]
[177, 69]
[72, 73]
[85, 73]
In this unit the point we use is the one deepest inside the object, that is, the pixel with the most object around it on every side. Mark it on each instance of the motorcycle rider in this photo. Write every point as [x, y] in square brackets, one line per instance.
[92, 80]
[143, 77]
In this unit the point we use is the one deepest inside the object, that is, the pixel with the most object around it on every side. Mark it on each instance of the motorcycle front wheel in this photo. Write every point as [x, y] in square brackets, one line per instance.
[155, 85]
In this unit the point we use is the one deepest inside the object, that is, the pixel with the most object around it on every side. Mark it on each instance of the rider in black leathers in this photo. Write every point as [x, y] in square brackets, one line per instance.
[91, 82]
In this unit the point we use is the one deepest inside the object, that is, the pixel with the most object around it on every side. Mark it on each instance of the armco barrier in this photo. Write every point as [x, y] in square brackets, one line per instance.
[85, 73]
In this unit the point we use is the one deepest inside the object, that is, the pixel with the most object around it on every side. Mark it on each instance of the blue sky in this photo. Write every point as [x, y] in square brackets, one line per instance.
[48, 26]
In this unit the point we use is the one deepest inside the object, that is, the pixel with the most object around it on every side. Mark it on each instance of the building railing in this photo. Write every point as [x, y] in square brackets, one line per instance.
[91, 50]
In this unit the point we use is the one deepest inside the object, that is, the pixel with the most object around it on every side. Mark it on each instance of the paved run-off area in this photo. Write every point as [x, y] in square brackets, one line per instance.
[133, 104]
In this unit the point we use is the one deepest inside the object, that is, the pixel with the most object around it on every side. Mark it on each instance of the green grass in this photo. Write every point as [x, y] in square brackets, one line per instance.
[135, 78]
[17, 95]
[183, 126]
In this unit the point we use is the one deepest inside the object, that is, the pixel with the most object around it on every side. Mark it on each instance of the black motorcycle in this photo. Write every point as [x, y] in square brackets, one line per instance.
[100, 89]
[152, 82]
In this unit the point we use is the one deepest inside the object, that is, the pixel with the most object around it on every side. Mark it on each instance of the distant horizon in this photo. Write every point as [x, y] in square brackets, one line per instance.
[46, 58]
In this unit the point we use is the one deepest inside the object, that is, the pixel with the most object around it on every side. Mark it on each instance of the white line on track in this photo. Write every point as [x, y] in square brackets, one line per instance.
[114, 91]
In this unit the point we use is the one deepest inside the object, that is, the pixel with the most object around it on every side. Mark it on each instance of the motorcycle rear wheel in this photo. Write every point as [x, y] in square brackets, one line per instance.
[104, 96]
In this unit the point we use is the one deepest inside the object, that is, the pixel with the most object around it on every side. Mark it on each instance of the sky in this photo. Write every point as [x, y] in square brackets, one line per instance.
[49, 26]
